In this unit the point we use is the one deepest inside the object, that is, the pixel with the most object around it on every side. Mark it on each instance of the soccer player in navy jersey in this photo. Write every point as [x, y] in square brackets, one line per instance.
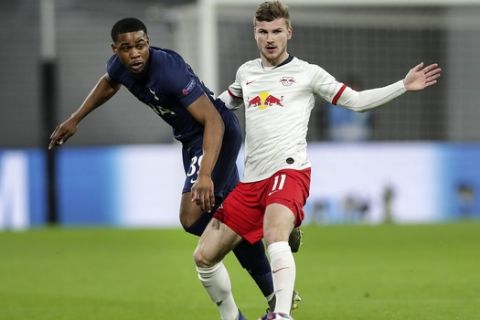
[165, 82]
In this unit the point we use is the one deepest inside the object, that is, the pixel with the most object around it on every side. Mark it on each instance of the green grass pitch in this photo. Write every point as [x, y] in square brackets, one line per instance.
[408, 272]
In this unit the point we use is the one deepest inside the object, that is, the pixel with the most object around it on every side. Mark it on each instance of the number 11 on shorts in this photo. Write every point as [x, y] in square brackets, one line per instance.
[278, 183]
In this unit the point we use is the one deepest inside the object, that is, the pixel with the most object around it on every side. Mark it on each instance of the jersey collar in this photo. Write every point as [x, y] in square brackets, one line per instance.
[290, 58]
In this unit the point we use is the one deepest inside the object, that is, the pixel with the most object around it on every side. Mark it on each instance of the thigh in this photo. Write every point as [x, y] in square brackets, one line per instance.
[243, 211]
[190, 212]
[290, 188]
[278, 223]
[225, 173]
[216, 241]
[192, 156]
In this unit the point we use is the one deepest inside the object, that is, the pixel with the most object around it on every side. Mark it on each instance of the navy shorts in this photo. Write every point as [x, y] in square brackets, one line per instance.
[225, 174]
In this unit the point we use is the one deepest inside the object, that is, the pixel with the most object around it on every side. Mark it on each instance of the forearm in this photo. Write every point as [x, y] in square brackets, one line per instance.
[369, 99]
[100, 94]
[212, 143]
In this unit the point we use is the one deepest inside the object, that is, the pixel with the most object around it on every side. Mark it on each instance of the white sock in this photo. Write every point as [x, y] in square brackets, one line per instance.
[217, 283]
[283, 273]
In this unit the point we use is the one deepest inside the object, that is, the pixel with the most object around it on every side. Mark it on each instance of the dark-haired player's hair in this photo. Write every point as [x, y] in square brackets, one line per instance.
[126, 25]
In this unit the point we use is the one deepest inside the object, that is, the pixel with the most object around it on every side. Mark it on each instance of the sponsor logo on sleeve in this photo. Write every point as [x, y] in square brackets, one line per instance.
[189, 87]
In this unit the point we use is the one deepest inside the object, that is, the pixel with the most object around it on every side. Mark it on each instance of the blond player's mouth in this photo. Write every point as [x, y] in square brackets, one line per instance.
[271, 49]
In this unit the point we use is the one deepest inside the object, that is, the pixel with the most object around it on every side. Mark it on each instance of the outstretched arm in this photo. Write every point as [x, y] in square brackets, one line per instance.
[418, 78]
[205, 113]
[101, 93]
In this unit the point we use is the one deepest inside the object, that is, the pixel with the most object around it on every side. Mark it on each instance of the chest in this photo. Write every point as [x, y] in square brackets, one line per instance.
[163, 103]
[275, 90]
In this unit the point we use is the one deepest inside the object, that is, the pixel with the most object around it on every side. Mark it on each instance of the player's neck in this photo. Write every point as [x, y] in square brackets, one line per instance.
[272, 63]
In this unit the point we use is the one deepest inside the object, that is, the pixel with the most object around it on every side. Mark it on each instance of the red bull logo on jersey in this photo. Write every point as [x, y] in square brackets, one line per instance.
[264, 100]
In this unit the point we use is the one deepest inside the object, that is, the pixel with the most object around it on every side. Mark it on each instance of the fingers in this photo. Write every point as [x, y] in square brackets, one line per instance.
[432, 73]
[51, 144]
[430, 67]
[429, 71]
[54, 139]
[203, 198]
[419, 66]
[57, 138]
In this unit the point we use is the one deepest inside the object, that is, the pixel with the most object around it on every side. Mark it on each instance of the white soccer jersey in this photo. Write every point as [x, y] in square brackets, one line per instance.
[278, 102]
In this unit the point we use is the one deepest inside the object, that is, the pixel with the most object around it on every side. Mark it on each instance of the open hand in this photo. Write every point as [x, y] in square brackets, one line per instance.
[420, 77]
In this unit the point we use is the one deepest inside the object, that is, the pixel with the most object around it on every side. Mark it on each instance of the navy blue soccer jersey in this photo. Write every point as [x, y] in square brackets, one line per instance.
[168, 87]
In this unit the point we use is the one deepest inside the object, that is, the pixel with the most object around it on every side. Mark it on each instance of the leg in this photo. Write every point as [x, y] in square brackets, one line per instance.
[252, 257]
[295, 239]
[192, 218]
[216, 241]
[279, 221]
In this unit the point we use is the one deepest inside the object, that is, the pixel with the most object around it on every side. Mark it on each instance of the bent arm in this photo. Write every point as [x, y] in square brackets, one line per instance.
[231, 102]
[101, 92]
[207, 115]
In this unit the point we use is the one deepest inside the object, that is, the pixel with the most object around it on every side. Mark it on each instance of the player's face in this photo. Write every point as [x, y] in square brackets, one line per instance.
[132, 49]
[272, 38]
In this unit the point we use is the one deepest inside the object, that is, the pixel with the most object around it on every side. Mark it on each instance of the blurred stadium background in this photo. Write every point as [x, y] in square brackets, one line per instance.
[414, 160]
[410, 168]
[365, 43]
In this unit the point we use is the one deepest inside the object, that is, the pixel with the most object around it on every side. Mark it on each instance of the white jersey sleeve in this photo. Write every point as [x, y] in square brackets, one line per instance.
[369, 99]
[324, 84]
[233, 97]
[231, 102]
[235, 89]
[327, 87]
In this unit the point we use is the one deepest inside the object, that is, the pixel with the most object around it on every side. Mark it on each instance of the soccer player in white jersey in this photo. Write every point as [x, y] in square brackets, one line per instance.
[277, 91]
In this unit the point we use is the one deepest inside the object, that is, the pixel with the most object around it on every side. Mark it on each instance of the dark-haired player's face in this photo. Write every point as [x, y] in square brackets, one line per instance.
[132, 49]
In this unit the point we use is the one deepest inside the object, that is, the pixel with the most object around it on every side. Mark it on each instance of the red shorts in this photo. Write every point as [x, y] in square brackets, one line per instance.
[244, 207]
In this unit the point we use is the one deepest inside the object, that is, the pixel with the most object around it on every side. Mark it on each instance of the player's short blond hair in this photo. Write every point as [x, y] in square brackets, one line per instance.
[271, 10]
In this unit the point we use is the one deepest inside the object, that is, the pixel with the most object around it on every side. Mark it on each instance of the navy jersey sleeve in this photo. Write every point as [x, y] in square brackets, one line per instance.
[114, 69]
[181, 82]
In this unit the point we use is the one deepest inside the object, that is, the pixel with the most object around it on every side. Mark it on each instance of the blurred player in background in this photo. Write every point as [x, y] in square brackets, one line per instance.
[161, 79]
[277, 91]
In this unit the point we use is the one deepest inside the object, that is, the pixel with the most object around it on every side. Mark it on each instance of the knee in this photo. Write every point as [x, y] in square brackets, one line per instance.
[186, 219]
[201, 259]
[185, 222]
[196, 225]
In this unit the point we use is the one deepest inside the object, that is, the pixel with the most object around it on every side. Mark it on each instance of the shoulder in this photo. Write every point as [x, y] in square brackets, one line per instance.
[250, 66]
[310, 69]
[302, 65]
[114, 67]
[116, 70]
[166, 57]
